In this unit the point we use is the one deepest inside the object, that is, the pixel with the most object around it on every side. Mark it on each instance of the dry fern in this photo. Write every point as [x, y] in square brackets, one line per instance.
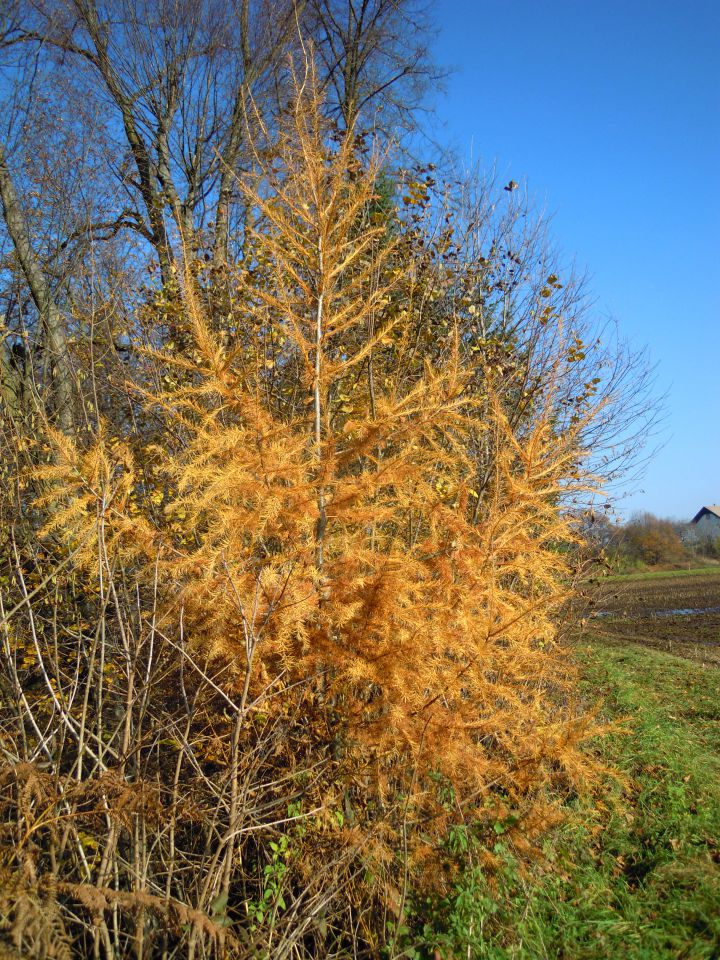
[31, 921]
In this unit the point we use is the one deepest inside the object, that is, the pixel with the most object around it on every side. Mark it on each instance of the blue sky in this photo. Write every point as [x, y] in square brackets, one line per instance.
[611, 112]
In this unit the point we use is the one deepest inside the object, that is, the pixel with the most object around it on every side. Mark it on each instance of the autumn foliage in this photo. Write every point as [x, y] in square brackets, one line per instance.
[309, 592]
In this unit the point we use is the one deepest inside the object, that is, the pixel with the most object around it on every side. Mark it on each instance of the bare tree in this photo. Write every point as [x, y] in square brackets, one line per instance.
[53, 321]
[125, 126]
[44, 294]
[375, 58]
[175, 76]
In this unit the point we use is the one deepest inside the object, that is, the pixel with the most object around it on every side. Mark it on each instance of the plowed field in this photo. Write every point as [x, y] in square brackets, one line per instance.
[680, 614]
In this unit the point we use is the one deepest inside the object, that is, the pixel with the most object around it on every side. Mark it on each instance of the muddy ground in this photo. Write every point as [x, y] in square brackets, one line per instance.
[647, 611]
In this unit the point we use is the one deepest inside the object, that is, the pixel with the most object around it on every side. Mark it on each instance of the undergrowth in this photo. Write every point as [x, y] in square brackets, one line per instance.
[638, 877]
[278, 636]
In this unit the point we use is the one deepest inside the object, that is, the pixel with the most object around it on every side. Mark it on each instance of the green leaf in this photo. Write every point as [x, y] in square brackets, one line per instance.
[219, 904]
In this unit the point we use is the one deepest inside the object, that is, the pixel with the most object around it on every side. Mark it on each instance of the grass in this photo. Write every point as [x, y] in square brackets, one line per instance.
[639, 880]
[646, 884]
[660, 574]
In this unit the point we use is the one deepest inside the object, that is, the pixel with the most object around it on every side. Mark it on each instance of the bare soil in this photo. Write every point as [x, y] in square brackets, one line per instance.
[649, 612]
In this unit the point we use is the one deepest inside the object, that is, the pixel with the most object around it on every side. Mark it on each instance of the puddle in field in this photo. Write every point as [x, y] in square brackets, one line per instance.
[678, 612]
[685, 611]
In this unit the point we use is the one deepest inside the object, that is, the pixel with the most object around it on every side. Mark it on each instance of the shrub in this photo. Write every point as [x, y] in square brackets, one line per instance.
[652, 540]
[267, 649]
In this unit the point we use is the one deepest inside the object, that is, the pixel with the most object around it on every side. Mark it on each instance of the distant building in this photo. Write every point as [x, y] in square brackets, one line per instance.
[705, 525]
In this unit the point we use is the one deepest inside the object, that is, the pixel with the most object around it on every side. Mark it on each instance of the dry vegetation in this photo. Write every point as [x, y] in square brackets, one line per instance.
[285, 545]
[267, 633]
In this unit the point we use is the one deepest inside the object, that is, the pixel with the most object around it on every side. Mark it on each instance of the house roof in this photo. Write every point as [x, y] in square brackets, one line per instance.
[713, 509]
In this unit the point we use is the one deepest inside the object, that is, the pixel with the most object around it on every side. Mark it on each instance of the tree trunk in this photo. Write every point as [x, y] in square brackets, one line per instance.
[53, 322]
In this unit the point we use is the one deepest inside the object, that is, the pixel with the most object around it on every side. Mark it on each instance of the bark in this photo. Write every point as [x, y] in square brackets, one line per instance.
[255, 64]
[317, 400]
[53, 322]
[144, 165]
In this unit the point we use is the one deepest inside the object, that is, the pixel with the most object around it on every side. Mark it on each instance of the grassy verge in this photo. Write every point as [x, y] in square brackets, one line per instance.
[646, 884]
[660, 574]
[640, 880]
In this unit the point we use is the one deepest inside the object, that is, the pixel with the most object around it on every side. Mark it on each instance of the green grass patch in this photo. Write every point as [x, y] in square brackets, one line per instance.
[661, 574]
[639, 880]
